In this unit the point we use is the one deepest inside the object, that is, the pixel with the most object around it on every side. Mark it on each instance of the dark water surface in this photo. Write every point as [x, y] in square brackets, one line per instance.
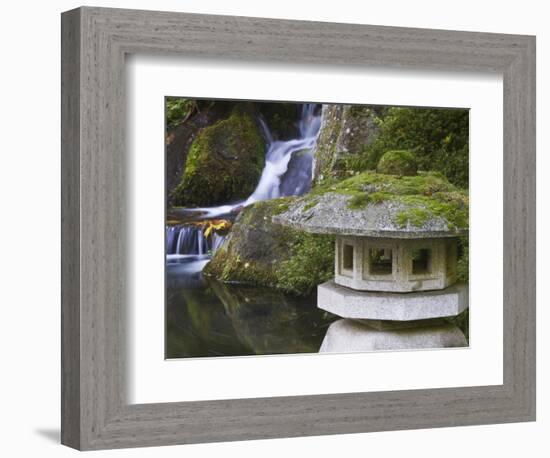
[205, 317]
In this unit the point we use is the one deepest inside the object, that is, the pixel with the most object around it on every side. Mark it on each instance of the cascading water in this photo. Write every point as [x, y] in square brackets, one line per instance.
[182, 240]
[279, 155]
[287, 172]
[279, 178]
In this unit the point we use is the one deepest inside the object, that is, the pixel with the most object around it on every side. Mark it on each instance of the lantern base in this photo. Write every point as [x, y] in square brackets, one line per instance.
[345, 335]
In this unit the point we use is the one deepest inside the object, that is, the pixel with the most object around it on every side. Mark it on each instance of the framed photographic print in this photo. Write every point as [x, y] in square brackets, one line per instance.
[269, 234]
[302, 227]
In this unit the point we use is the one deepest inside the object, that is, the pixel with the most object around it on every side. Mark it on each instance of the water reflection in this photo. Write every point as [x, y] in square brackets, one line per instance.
[207, 318]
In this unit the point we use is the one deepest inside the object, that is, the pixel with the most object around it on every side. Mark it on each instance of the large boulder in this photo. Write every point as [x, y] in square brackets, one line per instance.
[345, 130]
[224, 162]
[180, 135]
[259, 252]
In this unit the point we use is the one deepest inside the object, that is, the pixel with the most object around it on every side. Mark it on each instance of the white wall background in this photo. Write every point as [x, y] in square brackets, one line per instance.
[29, 229]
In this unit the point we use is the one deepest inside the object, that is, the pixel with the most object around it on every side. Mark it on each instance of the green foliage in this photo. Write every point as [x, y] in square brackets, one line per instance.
[463, 266]
[224, 162]
[312, 263]
[178, 110]
[260, 252]
[399, 162]
[438, 137]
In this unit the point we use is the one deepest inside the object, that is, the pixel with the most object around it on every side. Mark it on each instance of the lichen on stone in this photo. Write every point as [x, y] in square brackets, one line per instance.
[345, 131]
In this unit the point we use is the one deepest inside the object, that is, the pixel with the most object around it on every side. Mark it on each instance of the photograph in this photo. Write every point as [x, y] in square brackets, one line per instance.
[300, 227]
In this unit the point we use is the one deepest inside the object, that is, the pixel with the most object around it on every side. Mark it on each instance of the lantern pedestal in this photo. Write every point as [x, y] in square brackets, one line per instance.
[375, 305]
[375, 320]
[348, 335]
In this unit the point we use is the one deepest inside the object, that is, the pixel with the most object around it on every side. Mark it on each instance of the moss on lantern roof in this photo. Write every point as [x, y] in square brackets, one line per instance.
[376, 204]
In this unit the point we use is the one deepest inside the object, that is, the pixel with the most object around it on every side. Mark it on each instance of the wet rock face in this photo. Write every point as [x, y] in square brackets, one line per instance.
[281, 118]
[345, 130]
[297, 179]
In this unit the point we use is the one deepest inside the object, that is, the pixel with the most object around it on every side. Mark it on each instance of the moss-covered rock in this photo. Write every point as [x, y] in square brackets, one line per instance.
[400, 163]
[182, 128]
[224, 162]
[345, 131]
[259, 252]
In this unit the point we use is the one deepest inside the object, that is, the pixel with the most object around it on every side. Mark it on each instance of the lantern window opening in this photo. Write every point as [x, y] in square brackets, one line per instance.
[421, 261]
[380, 261]
[347, 258]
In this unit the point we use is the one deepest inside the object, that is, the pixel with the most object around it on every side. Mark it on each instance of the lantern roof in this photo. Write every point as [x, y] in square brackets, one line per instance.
[371, 204]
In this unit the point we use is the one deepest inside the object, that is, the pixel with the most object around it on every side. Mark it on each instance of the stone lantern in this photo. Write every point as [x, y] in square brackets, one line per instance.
[395, 278]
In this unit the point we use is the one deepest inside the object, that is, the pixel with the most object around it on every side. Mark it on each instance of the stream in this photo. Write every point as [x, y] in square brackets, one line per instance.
[205, 317]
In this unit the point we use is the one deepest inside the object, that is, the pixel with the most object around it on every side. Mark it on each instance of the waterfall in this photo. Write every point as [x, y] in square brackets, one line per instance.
[190, 240]
[287, 172]
[278, 156]
[217, 241]
[287, 169]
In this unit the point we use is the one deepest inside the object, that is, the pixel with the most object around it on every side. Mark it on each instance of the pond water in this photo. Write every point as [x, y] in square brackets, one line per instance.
[206, 318]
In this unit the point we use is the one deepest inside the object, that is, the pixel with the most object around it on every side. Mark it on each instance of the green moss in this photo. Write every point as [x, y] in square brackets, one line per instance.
[358, 201]
[377, 197]
[413, 216]
[311, 263]
[178, 110]
[430, 193]
[224, 162]
[463, 264]
[310, 204]
[438, 137]
[401, 163]
[232, 268]
[259, 252]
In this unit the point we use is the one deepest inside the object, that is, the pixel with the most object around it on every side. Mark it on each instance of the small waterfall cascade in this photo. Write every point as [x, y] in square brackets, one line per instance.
[278, 179]
[190, 240]
[287, 169]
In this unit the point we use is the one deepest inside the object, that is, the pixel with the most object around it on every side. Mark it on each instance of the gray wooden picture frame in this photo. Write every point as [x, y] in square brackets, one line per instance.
[95, 412]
